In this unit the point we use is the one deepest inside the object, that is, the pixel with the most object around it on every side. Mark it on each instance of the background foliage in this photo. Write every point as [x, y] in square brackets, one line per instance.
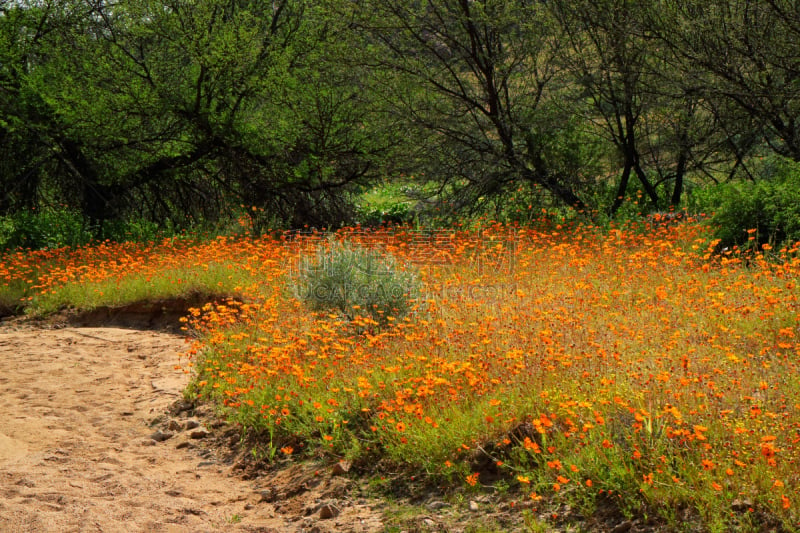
[174, 114]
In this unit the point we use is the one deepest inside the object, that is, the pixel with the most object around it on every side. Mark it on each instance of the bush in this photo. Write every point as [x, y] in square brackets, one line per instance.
[396, 213]
[48, 227]
[771, 206]
[355, 280]
[133, 230]
[43, 228]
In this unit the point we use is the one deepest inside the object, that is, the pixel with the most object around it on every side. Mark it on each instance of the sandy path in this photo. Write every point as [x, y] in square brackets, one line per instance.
[75, 452]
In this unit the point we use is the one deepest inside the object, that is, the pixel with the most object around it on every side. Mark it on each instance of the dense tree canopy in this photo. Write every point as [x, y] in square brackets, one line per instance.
[178, 111]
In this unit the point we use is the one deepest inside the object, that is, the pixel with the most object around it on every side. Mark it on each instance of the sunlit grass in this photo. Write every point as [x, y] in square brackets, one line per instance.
[631, 366]
[212, 280]
[118, 274]
[20, 271]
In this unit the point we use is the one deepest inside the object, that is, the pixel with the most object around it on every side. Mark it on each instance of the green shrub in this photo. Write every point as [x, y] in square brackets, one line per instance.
[43, 228]
[355, 280]
[133, 230]
[49, 227]
[396, 213]
[771, 206]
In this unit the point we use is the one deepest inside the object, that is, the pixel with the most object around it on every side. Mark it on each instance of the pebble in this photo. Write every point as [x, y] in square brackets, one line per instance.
[473, 506]
[436, 505]
[161, 436]
[267, 495]
[182, 406]
[328, 511]
[623, 527]
[341, 468]
[199, 433]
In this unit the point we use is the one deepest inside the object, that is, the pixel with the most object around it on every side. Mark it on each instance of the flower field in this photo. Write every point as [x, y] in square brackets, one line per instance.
[574, 365]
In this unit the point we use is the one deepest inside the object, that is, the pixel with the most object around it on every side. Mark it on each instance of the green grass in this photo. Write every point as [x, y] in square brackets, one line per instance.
[12, 295]
[217, 280]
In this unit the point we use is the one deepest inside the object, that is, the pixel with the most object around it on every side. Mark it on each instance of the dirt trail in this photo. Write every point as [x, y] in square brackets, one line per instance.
[76, 453]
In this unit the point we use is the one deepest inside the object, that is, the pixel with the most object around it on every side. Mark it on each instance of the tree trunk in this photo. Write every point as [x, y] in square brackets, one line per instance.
[632, 155]
[680, 170]
[621, 189]
[543, 177]
[648, 187]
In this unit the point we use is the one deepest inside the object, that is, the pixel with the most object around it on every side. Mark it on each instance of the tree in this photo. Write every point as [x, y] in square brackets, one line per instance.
[168, 109]
[744, 52]
[659, 125]
[478, 82]
[609, 63]
[29, 164]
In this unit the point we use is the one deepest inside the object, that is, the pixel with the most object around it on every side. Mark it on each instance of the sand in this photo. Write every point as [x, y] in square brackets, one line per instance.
[78, 408]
